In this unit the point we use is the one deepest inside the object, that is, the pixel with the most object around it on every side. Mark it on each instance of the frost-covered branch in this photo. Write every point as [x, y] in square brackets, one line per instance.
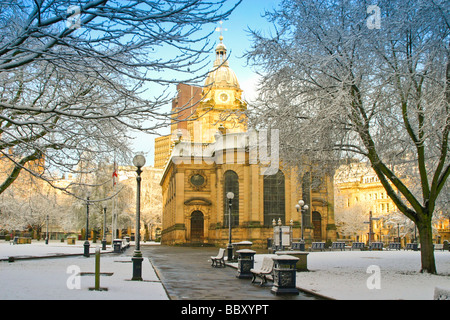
[77, 76]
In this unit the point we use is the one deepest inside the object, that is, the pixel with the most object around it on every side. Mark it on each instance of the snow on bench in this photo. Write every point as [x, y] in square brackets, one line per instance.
[219, 260]
[265, 270]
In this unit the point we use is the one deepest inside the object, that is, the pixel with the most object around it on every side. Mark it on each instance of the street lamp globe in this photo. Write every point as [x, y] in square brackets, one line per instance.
[139, 160]
[301, 203]
[297, 206]
[230, 195]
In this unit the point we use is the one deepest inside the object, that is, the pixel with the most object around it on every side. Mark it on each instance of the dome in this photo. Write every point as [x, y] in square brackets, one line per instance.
[222, 76]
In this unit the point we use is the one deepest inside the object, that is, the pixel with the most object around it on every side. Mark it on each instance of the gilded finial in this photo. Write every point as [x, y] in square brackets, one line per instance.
[221, 29]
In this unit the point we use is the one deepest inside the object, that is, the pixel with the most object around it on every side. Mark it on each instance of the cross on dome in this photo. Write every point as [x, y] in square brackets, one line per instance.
[221, 29]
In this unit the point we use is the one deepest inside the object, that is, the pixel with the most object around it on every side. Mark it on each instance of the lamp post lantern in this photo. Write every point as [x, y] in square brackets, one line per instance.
[230, 197]
[139, 162]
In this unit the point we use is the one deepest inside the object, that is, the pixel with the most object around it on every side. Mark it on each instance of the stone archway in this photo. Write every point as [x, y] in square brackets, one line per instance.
[197, 226]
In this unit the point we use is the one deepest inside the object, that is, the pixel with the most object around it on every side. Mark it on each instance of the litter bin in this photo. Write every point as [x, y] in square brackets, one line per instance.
[284, 275]
[117, 245]
[71, 240]
[302, 264]
[246, 262]
[239, 246]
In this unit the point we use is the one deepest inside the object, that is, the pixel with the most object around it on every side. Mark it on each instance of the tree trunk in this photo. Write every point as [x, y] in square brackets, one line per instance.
[426, 247]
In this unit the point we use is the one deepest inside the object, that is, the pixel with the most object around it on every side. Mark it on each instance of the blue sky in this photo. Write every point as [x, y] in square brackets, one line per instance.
[237, 41]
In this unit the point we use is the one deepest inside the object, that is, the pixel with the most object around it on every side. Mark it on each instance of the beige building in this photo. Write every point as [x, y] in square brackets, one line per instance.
[214, 154]
[359, 192]
[163, 148]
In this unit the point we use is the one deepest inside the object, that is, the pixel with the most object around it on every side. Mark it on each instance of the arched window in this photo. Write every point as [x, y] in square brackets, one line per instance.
[274, 198]
[231, 184]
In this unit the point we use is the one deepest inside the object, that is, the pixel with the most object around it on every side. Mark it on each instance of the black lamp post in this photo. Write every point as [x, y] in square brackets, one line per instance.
[139, 162]
[104, 229]
[46, 236]
[303, 207]
[370, 222]
[230, 197]
[86, 243]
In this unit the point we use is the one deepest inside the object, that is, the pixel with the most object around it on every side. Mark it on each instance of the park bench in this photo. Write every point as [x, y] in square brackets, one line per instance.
[394, 246]
[438, 246]
[298, 246]
[219, 260]
[412, 246]
[358, 246]
[20, 240]
[338, 246]
[262, 272]
[376, 246]
[317, 246]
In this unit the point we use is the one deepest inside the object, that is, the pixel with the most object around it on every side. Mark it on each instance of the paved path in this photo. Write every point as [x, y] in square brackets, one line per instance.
[187, 274]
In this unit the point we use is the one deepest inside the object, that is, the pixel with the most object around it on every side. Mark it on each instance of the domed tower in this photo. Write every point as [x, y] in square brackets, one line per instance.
[222, 108]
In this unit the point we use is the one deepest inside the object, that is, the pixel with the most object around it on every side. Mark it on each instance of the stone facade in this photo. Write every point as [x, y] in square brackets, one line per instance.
[211, 155]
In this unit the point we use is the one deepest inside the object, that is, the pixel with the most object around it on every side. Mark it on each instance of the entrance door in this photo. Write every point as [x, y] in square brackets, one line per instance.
[317, 223]
[197, 226]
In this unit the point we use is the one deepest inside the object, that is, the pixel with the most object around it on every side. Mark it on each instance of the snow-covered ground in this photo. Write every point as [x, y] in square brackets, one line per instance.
[59, 278]
[339, 275]
[367, 275]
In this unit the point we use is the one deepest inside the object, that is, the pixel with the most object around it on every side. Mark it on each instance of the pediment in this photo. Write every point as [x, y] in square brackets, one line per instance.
[198, 201]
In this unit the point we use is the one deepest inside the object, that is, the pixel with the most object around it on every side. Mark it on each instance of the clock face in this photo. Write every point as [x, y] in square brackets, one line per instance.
[224, 97]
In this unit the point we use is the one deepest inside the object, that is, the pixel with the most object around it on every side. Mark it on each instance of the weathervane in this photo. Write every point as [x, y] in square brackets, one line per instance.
[221, 29]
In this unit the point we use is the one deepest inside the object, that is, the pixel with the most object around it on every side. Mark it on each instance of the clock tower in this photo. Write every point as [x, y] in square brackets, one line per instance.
[222, 108]
[201, 167]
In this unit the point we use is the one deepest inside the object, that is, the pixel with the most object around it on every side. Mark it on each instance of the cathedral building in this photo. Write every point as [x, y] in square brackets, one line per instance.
[212, 153]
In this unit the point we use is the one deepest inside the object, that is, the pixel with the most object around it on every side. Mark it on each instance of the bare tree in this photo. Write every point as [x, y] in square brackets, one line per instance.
[76, 76]
[345, 78]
